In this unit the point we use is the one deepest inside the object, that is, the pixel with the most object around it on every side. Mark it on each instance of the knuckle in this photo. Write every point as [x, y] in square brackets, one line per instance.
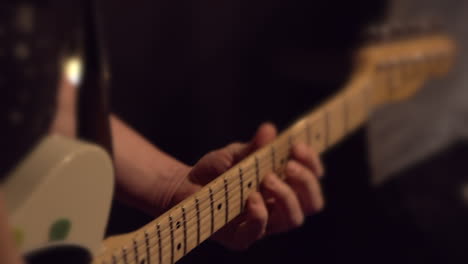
[293, 168]
[225, 159]
[235, 144]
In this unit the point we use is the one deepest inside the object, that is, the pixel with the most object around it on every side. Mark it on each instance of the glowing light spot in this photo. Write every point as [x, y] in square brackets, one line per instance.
[73, 70]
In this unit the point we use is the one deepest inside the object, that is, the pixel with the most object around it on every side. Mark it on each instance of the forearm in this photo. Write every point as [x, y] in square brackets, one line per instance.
[146, 177]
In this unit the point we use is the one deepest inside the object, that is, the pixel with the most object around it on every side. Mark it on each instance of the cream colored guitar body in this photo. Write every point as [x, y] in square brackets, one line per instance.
[60, 195]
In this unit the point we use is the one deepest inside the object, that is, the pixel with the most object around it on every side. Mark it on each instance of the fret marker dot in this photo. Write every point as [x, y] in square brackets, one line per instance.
[220, 206]
[249, 185]
[317, 136]
[179, 246]
[178, 224]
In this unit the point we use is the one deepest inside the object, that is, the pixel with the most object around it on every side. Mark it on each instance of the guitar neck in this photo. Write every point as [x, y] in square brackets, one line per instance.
[387, 72]
[175, 233]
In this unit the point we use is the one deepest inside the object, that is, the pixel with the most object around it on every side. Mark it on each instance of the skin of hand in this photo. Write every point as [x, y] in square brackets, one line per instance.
[279, 206]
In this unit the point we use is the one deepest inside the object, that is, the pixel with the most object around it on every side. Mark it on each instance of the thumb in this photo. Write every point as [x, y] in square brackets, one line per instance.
[265, 134]
[216, 162]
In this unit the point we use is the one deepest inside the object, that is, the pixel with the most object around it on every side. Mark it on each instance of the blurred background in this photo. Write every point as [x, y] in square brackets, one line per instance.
[193, 76]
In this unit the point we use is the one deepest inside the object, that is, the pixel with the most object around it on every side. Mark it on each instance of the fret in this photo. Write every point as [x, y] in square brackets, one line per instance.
[299, 133]
[171, 229]
[158, 233]
[327, 128]
[285, 152]
[206, 212]
[124, 255]
[184, 222]
[335, 121]
[241, 182]
[177, 234]
[393, 77]
[197, 207]
[407, 70]
[226, 200]
[344, 102]
[135, 251]
[290, 141]
[147, 246]
[212, 210]
[358, 105]
[318, 126]
[367, 95]
[249, 183]
[191, 225]
[273, 158]
[219, 204]
[383, 79]
[257, 172]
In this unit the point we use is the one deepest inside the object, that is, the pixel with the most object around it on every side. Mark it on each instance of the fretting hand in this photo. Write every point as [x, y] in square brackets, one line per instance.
[279, 205]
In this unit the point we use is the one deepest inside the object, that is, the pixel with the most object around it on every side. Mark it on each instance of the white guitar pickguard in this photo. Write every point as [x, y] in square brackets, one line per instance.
[60, 194]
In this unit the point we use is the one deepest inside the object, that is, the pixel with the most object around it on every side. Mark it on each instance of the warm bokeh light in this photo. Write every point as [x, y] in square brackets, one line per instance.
[73, 69]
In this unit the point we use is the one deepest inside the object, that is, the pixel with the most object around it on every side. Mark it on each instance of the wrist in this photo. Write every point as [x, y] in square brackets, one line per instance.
[175, 187]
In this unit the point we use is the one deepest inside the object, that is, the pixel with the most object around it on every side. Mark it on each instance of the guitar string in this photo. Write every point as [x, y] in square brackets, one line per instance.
[167, 247]
[166, 252]
[235, 196]
[221, 188]
[205, 218]
[235, 193]
[248, 176]
[248, 169]
[219, 199]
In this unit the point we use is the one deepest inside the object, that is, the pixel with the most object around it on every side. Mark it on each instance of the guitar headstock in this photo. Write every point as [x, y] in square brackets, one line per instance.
[401, 59]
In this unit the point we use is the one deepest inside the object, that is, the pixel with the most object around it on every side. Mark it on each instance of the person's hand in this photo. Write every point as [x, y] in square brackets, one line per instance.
[279, 206]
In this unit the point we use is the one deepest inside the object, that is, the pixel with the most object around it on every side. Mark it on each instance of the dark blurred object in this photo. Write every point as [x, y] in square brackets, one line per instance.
[94, 97]
[402, 29]
[34, 35]
[432, 198]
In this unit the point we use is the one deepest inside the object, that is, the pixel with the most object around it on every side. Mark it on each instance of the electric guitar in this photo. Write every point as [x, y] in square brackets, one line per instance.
[59, 197]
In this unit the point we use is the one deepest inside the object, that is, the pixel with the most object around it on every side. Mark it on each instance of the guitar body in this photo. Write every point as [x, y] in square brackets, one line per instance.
[58, 200]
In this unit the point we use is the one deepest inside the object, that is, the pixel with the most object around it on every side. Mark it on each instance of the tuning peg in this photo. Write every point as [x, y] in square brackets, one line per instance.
[378, 33]
[427, 25]
[394, 30]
